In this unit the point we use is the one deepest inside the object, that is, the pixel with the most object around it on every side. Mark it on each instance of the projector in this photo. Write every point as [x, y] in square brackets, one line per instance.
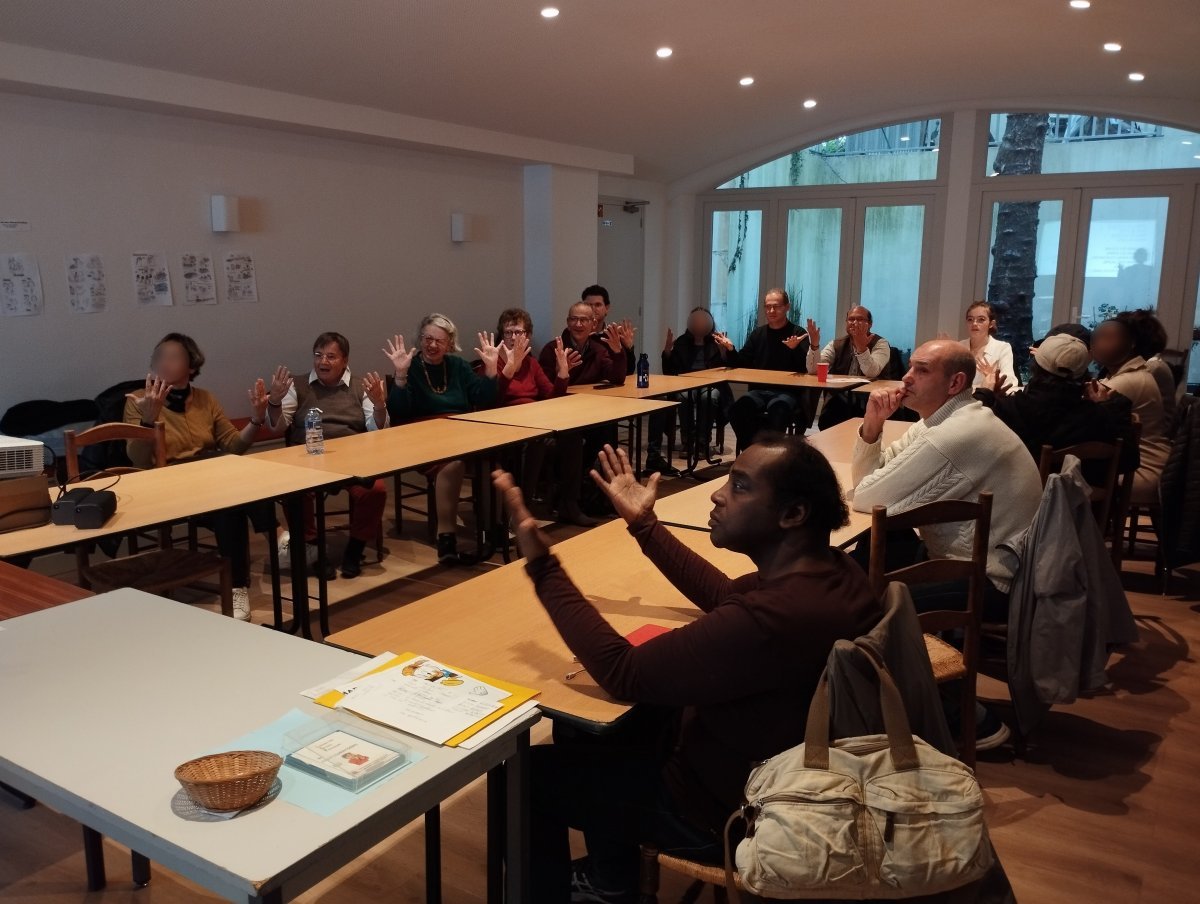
[20, 457]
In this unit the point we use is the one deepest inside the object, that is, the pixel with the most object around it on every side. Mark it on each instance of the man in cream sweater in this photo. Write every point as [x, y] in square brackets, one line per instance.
[957, 450]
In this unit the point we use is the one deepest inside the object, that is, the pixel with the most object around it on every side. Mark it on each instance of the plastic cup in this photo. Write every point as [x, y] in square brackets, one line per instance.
[822, 373]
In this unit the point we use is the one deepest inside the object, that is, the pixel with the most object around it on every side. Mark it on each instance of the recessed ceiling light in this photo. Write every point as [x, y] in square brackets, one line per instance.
[1136, 77]
[809, 104]
[904, 137]
[550, 12]
[1112, 47]
[1197, 156]
[1185, 142]
[663, 52]
[1080, 4]
[746, 81]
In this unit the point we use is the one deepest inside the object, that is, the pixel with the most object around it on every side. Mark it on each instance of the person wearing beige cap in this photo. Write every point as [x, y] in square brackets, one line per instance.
[1059, 406]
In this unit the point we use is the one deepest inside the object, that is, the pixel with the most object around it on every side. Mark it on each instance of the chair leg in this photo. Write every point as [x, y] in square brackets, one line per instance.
[720, 895]
[648, 875]
[966, 743]
[140, 866]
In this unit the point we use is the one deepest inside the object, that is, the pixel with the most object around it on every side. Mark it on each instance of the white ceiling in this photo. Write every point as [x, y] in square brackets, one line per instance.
[591, 78]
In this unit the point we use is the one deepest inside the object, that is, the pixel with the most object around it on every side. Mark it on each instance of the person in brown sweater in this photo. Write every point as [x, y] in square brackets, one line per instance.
[715, 696]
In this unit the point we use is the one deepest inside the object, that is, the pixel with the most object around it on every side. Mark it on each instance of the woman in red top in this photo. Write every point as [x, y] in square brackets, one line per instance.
[521, 378]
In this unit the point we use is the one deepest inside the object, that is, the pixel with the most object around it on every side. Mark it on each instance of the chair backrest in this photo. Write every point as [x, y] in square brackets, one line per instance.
[1105, 455]
[973, 570]
[104, 433]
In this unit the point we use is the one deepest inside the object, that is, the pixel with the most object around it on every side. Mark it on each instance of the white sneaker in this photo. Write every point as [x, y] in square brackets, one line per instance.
[285, 550]
[241, 603]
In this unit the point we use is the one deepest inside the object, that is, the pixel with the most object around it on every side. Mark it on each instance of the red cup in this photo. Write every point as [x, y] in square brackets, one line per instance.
[822, 373]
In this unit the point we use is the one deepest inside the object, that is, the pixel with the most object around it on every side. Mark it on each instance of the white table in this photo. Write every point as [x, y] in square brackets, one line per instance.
[104, 697]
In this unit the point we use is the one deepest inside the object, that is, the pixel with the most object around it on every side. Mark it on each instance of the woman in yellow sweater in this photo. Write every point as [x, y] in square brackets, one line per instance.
[196, 427]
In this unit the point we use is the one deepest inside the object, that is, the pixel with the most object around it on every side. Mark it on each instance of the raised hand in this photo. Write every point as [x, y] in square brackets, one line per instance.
[794, 340]
[400, 356]
[574, 359]
[258, 399]
[376, 389]
[669, 345]
[997, 383]
[612, 337]
[281, 382]
[149, 402]
[514, 357]
[723, 340]
[632, 501]
[488, 353]
[881, 404]
[531, 540]
[562, 359]
[627, 330]
[814, 334]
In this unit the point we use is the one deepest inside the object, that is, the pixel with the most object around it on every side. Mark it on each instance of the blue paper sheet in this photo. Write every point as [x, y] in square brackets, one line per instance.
[306, 791]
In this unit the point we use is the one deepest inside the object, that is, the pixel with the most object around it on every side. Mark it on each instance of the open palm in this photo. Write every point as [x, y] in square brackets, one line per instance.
[633, 501]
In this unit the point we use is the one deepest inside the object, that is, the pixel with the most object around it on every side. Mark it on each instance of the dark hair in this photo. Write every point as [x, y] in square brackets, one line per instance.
[959, 359]
[337, 339]
[1078, 330]
[596, 290]
[195, 356]
[1149, 335]
[803, 475]
[515, 315]
[991, 312]
[782, 293]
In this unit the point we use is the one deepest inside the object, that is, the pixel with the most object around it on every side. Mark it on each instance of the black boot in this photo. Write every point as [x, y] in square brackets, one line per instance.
[352, 558]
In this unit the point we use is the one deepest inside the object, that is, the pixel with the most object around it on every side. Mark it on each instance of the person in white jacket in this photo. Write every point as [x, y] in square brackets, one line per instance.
[991, 355]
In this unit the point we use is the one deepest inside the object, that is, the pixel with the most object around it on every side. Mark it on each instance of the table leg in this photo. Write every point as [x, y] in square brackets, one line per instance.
[517, 833]
[322, 583]
[433, 856]
[93, 858]
[140, 865]
[23, 800]
[293, 512]
[496, 840]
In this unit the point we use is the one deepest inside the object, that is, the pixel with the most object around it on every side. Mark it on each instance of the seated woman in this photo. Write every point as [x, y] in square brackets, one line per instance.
[1123, 370]
[860, 352]
[991, 354]
[1150, 342]
[430, 383]
[696, 349]
[196, 427]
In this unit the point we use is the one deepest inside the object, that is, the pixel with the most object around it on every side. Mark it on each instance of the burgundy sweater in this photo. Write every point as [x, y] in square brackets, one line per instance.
[600, 364]
[742, 674]
[528, 384]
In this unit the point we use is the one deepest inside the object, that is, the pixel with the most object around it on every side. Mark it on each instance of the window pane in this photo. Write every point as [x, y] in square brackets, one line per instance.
[891, 270]
[902, 152]
[736, 253]
[1036, 266]
[814, 244]
[1193, 374]
[1075, 143]
[1124, 256]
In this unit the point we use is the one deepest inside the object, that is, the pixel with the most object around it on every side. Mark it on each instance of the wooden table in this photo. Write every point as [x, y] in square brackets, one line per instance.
[837, 442]
[495, 623]
[879, 384]
[202, 681]
[779, 378]
[23, 591]
[571, 412]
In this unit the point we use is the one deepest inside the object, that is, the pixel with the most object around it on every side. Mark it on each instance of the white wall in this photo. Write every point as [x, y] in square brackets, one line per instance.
[346, 236]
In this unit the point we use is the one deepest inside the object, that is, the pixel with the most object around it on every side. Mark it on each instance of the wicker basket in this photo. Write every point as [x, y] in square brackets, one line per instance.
[229, 781]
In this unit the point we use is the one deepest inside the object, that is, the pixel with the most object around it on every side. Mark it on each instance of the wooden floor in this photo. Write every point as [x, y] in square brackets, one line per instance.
[1101, 809]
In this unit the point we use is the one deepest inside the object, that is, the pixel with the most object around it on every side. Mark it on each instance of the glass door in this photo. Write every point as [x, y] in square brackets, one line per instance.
[891, 244]
[815, 263]
[735, 268]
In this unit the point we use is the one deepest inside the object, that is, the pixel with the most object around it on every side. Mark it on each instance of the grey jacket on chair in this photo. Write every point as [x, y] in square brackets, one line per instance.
[1067, 608]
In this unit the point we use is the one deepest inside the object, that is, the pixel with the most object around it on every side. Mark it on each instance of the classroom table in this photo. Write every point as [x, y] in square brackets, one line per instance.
[837, 442]
[178, 492]
[495, 623]
[661, 385]
[23, 591]
[779, 378]
[203, 681]
[879, 384]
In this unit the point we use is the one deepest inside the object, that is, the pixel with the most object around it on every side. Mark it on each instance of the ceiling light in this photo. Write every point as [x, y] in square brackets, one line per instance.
[1112, 47]
[1185, 142]
[663, 52]
[1196, 156]
[1080, 4]
[1136, 77]
[809, 104]
[746, 81]
[904, 137]
[550, 12]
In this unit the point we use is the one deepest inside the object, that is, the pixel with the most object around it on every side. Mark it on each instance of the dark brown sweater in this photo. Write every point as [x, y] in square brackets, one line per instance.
[742, 674]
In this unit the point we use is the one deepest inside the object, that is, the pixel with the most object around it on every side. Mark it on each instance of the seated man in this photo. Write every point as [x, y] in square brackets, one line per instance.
[597, 297]
[591, 358]
[778, 344]
[859, 353]
[730, 689]
[1059, 406]
[957, 450]
[348, 405]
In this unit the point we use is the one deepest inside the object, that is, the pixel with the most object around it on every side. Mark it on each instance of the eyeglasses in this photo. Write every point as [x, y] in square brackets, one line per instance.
[775, 307]
[857, 320]
[331, 356]
[580, 319]
[434, 340]
[513, 334]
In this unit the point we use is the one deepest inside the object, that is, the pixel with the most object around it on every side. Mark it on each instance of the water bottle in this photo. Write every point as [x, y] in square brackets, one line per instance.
[643, 372]
[314, 433]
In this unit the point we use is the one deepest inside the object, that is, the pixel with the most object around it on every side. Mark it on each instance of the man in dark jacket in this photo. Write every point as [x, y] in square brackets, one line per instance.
[780, 345]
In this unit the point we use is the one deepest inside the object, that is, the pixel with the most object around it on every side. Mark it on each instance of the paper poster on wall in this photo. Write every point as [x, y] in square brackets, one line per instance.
[20, 285]
[151, 278]
[86, 288]
[199, 282]
[240, 283]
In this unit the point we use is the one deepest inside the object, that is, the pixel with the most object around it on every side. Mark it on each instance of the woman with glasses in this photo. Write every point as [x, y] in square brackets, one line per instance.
[992, 355]
[521, 378]
[431, 382]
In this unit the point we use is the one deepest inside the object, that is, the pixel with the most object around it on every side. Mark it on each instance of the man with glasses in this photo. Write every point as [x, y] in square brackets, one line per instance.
[858, 353]
[778, 344]
[348, 405]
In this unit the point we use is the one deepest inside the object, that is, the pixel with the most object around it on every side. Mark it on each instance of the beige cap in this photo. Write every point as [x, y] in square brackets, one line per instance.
[1063, 356]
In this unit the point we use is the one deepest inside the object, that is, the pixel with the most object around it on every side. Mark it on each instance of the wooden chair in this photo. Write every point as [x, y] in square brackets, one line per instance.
[159, 570]
[702, 874]
[948, 663]
[1104, 497]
